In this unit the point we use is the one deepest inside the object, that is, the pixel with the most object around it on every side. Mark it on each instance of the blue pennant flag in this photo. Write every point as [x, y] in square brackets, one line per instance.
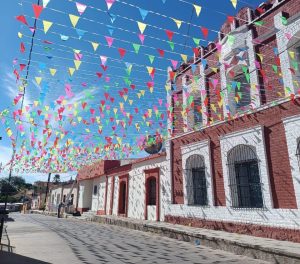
[80, 33]
[143, 13]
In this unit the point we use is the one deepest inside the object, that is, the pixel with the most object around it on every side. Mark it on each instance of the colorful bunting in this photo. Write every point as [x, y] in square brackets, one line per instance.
[47, 25]
[80, 8]
[37, 9]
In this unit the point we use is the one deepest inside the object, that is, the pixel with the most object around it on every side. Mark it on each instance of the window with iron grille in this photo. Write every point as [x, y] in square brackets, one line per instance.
[197, 111]
[244, 178]
[152, 191]
[196, 181]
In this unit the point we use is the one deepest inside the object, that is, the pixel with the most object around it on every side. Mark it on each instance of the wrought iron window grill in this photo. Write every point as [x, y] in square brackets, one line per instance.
[196, 186]
[244, 178]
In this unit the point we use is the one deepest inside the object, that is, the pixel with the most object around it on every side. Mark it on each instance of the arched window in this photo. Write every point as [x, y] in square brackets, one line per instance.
[152, 191]
[244, 178]
[196, 180]
[239, 92]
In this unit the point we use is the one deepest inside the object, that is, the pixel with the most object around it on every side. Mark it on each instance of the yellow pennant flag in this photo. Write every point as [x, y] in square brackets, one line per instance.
[52, 71]
[47, 108]
[77, 64]
[47, 25]
[142, 92]
[79, 118]
[36, 103]
[142, 26]
[260, 57]
[76, 51]
[197, 9]
[184, 57]
[71, 71]
[234, 3]
[215, 70]
[74, 19]
[95, 45]
[20, 35]
[292, 54]
[150, 69]
[178, 22]
[38, 80]
[115, 110]
[139, 95]
[125, 97]
[130, 102]
[151, 89]
[121, 105]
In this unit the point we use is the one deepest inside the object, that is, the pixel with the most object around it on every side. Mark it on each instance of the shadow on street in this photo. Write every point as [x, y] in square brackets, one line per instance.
[12, 258]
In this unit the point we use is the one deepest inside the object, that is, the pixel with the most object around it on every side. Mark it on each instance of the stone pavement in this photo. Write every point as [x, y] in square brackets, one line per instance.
[270, 250]
[63, 241]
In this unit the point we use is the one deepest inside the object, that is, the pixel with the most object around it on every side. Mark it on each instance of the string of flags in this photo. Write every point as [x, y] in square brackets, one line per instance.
[84, 109]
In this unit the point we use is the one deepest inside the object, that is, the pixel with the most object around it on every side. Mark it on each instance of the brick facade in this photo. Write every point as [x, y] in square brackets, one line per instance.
[272, 102]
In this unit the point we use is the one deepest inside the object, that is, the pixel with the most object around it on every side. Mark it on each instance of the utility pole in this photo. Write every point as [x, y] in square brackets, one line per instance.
[47, 189]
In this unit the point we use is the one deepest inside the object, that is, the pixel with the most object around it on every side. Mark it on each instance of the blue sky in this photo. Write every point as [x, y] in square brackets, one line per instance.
[94, 25]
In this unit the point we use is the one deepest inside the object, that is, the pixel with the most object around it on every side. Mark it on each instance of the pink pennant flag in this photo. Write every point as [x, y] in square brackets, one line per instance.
[142, 38]
[68, 90]
[109, 3]
[174, 64]
[103, 60]
[109, 41]
[215, 83]
[80, 8]
[160, 101]
[78, 56]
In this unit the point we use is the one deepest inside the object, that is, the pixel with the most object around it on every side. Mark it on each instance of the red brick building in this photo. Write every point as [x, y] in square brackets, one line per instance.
[234, 125]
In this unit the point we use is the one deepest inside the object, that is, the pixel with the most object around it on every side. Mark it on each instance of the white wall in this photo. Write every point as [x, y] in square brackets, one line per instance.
[99, 198]
[85, 194]
[289, 218]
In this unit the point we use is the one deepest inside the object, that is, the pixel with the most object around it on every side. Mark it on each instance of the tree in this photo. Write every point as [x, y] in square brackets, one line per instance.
[56, 179]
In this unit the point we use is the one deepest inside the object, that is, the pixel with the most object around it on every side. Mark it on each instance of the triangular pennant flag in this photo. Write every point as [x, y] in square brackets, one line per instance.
[80, 8]
[109, 3]
[22, 19]
[151, 58]
[171, 45]
[95, 45]
[80, 32]
[112, 17]
[161, 52]
[71, 71]
[174, 64]
[143, 13]
[184, 57]
[169, 34]
[52, 71]
[103, 60]
[122, 52]
[136, 47]
[109, 41]
[178, 22]
[45, 3]
[37, 9]
[196, 41]
[142, 26]
[64, 38]
[77, 64]
[74, 19]
[47, 25]
[204, 32]
[197, 9]
[234, 3]
[38, 80]
[142, 38]
[110, 29]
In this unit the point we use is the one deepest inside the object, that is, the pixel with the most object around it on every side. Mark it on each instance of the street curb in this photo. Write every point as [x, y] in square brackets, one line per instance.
[194, 236]
[265, 253]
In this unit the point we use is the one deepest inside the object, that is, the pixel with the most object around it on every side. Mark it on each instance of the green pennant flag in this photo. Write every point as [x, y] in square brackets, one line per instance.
[231, 40]
[275, 68]
[151, 58]
[196, 41]
[238, 84]
[229, 88]
[136, 47]
[106, 87]
[171, 45]
[284, 20]
[259, 23]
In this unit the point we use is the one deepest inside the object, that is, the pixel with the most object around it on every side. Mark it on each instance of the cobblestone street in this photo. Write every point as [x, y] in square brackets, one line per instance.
[69, 241]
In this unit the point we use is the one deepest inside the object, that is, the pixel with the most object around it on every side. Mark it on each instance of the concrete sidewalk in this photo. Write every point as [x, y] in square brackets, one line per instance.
[271, 250]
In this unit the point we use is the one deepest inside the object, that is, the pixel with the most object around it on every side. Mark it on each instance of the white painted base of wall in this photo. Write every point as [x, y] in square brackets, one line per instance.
[285, 218]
